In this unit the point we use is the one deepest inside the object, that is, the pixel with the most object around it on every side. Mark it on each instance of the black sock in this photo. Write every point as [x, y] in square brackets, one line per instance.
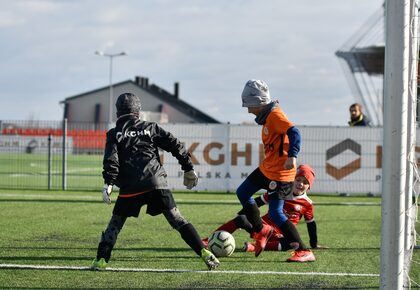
[109, 237]
[191, 237]
[253, 216]
[292, 235]
[242, 222]
[104, 251]
[285, 246]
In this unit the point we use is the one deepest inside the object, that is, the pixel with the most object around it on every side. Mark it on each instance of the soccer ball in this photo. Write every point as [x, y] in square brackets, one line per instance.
[221, 244]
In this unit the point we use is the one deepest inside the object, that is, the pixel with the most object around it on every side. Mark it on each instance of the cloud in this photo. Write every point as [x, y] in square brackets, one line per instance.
[38, 6]
[210, 47]
[9, 19]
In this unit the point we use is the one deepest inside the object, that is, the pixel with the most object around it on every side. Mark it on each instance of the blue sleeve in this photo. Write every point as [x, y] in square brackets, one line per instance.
[294, 142]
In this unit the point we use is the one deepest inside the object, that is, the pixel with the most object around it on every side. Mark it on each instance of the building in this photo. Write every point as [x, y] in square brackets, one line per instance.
[158, 105]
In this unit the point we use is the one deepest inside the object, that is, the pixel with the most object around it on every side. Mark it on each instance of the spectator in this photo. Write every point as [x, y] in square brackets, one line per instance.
[357, 118]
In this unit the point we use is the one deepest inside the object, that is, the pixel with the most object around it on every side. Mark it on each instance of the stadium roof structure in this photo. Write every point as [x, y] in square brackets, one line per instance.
[363, 57]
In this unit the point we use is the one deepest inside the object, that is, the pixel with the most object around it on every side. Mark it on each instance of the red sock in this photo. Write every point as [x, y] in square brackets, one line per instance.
[229, 227]
[272, 246]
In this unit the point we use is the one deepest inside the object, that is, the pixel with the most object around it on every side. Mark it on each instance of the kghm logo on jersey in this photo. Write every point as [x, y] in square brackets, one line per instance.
[130, 134]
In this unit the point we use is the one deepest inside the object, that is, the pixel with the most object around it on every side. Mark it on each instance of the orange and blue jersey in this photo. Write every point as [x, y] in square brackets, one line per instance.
[276, 146]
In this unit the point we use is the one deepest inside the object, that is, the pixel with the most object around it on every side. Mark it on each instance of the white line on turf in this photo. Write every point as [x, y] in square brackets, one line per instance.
[48, 267]
[47, 196]
[210, 201]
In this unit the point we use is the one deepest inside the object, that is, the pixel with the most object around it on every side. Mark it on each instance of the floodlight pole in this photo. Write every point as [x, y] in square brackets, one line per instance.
[111, 56]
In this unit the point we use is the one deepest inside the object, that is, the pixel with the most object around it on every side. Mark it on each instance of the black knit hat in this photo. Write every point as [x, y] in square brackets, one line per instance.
[128, 103]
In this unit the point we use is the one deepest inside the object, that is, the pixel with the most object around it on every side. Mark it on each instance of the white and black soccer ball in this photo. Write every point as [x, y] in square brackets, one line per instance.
[221, 244]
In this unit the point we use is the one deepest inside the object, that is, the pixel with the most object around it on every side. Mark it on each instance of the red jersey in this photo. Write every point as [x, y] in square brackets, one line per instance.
[295, 208]
[276, 146]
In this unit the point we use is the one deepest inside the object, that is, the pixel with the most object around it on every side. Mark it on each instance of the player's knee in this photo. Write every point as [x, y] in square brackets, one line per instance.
[241, 221]
[244, 197]
[277, 216]
[240, 193]
[117, 222]
[175, 219]
[245, 191]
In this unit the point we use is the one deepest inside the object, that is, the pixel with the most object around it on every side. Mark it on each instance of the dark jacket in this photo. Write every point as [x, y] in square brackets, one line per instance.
[131, 159]
[362, 121]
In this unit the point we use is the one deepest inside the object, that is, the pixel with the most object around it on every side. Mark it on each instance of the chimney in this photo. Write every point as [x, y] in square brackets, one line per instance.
[176, 90]
[142, 82]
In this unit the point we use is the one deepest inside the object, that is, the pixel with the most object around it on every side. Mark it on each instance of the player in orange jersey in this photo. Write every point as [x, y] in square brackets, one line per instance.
[281, 140]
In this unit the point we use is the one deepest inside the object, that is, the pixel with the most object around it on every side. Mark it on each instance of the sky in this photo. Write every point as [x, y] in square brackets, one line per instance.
[210, 47]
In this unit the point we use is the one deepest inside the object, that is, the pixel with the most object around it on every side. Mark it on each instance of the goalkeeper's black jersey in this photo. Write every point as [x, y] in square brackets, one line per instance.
[131, 159]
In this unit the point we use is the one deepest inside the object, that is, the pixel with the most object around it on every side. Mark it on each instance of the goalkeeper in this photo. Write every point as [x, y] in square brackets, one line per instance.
[131, 162]
[298, 206]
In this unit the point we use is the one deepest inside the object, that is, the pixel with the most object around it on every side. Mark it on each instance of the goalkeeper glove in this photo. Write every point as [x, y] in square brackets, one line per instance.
[106, 193]
[190, 179]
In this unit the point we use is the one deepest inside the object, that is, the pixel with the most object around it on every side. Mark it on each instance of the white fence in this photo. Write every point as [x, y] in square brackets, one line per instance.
[33, 144]
[345, 160]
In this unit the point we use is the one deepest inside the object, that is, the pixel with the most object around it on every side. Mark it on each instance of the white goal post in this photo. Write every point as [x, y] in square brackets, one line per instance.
[400, 99]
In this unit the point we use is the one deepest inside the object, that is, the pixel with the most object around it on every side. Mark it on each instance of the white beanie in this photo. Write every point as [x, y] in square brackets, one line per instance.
[255, 94]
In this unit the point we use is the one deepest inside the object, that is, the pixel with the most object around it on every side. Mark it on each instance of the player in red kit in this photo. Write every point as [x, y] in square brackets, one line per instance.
[297, 207]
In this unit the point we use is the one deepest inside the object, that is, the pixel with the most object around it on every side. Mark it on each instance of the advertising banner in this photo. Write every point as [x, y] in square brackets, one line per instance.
[345, 160]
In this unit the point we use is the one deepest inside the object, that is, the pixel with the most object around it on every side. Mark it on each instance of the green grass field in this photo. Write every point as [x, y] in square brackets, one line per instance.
[62, 228]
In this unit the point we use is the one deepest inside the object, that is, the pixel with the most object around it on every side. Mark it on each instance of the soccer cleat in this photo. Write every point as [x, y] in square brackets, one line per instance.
[248, 247]
[302, 256]
[210, 259]
[261, 239]
[98, 265]
[205, 242]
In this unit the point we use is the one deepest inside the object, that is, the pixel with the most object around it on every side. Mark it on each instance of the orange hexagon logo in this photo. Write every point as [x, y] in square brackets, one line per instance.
[340, 148]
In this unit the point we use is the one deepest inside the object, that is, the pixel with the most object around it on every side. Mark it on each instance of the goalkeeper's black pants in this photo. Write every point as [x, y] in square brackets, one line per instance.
[110, 235]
